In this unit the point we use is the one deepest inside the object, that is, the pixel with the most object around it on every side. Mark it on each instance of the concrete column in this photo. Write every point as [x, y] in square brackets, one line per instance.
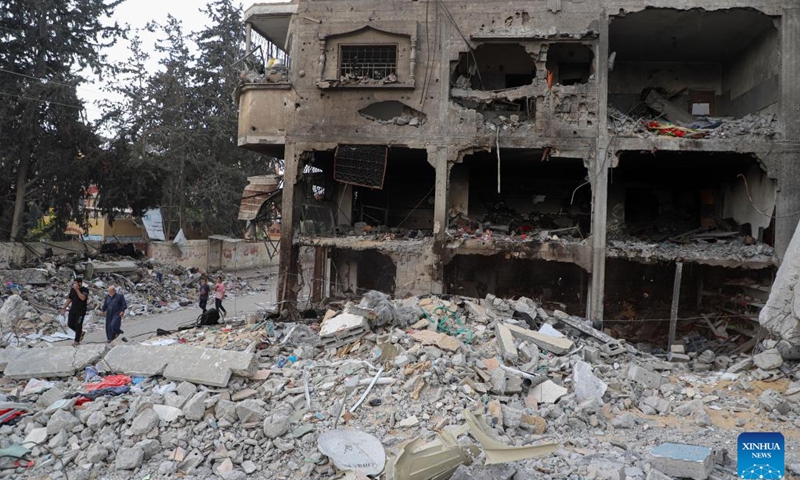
[788, 200]
[599, 175]
[439, 158]
[441, 203]
[289, 253]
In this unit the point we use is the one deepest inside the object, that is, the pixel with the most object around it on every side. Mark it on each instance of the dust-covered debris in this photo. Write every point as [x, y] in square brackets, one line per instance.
[572, 403]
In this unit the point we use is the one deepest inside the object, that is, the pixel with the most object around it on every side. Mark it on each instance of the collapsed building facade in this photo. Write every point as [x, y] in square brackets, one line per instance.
[567, 150]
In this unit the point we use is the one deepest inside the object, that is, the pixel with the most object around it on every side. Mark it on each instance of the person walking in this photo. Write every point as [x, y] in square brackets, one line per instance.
[77, 298]
[114, 306]
[204, 292]
[219, 294]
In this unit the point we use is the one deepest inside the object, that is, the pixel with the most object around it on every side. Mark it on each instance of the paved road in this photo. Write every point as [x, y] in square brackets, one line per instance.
[138, 328]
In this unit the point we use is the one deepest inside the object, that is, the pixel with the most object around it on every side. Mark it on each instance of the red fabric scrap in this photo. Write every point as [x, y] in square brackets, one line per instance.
[81, 400]
[109, 381]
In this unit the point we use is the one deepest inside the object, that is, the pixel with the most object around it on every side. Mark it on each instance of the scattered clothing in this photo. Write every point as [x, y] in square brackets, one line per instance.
[109, 381]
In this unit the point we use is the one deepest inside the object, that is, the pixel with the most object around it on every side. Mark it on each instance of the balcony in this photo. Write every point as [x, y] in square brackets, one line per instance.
[265, 111]
[265, 96]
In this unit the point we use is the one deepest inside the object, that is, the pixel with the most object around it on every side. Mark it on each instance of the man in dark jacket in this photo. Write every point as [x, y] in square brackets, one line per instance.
[114, 307]
[78, 298]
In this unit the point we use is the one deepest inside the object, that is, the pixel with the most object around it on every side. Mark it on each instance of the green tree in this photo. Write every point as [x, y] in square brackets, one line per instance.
[225, 167]
[47, 148]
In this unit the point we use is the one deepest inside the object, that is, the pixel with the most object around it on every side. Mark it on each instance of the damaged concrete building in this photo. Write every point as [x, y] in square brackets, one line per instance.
[568, 150]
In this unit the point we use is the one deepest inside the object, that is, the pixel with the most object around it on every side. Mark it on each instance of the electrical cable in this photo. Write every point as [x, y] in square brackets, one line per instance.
[750, 198]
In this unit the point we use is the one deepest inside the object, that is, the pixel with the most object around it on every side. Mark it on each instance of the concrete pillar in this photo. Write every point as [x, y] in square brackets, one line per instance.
[439, 158]
[788, 200]
[289, 253]
[599, 175]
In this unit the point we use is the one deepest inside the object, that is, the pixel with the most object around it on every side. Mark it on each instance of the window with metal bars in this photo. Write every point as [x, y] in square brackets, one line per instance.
[375, 62]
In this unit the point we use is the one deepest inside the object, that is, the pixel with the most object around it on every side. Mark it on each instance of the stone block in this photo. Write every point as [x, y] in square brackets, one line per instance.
[52, 362]
[342, 329]
[137, 360]
[768, 359]
[683, 461]
[6, 354]
[505, 343]
[558, 346]
[654, 474]
[208, 366]
[645, 377]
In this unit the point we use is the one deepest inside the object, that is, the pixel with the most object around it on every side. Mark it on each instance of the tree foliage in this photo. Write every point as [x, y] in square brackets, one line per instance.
[173, 134]
[184, 116]
[47, 148]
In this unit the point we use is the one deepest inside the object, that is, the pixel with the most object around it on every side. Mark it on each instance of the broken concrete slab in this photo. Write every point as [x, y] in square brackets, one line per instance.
[138, 360]
[683, 461]
[123, 266]
[52, 362]
[558, 346]
[441, 340]
[6, 354]
[780, 314]
[208, 366]
[342, 329]
[13, 310]
[505, 342]
[166, 413]
[547, 392]
[205, 366]
[768, 359]
[645, 377]
[28, 276]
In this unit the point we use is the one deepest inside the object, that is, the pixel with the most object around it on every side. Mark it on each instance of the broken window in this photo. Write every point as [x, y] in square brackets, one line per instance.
[684, 66]
[538, 195]
[692, 199]
[374, 62]
[569, 63]
[494, 66]
[363, 165]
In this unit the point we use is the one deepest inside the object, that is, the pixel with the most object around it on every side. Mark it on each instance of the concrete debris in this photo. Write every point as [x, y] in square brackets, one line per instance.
[343, 329]
[353, 450]
[52, 362]
[683, 461]
[480, 397]
[587, 386]
[768, 360]
[30, 315]
[780, 314]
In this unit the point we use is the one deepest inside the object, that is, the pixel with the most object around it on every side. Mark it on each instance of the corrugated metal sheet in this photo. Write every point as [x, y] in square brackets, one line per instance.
[259, 189]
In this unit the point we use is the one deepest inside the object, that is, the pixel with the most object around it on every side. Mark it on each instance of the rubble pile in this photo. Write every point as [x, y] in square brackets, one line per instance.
[644, 124]
[33, 297]
[450, 387]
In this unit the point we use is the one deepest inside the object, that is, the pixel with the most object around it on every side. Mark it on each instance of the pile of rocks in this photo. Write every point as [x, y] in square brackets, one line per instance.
[616, 412]
[32, 298]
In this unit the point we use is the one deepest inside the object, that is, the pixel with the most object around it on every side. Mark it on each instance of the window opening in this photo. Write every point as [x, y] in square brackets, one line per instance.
[376, 62]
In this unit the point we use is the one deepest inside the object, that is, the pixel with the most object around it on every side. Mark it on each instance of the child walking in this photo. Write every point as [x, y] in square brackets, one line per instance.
[219, 294]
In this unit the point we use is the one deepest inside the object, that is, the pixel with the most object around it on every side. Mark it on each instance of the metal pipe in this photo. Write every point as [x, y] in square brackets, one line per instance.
[366, 392]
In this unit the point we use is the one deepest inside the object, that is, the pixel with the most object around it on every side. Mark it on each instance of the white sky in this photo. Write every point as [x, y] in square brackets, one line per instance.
[137, 13]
